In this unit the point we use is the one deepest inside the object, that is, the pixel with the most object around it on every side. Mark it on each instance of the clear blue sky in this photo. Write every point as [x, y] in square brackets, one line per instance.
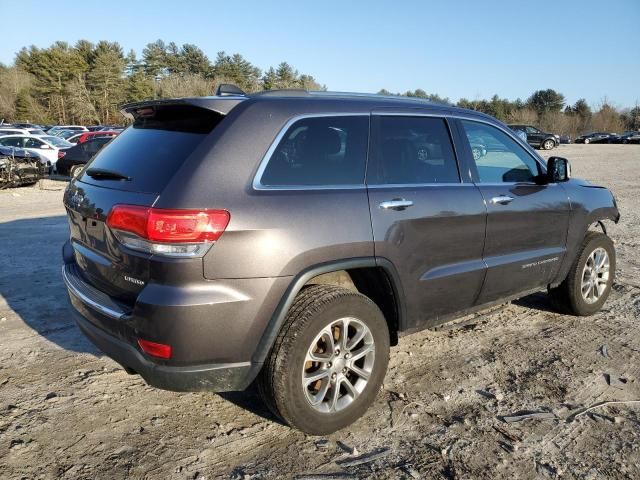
[466, 48]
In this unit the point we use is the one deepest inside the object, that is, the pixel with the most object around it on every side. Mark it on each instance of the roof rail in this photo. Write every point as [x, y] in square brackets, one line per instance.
[285, 92]
[228, 89]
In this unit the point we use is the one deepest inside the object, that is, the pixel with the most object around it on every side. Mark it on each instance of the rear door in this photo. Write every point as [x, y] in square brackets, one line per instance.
[38, 146]
[527, 220]
[534, 136]
[425, 220]
[148, 154]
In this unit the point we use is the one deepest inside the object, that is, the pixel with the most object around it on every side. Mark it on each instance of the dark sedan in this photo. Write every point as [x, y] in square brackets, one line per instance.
[75, 158]
[626, 137]
[594, 137]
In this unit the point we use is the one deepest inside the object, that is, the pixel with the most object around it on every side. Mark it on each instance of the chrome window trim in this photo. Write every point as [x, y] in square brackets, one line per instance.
[378, 186]
[257, 179]
[523, 184]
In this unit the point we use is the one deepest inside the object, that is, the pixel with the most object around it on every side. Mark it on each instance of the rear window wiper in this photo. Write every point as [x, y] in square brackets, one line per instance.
[103, 174]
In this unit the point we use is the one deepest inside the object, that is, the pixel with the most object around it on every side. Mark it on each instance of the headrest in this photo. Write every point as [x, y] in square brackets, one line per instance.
[323, 140]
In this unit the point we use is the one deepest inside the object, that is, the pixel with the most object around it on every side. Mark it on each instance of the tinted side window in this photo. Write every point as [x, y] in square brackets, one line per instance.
[32, 143]
[498, 158]
[13, 142]
[411, 150]
[92, 146]
[320, 151]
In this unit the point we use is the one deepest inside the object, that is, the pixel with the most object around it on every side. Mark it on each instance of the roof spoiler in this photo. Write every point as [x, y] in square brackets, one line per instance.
[220, 104]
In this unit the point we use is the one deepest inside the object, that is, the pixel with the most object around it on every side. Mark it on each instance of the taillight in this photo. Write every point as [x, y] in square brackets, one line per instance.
[61, 154]
[177, 233]
[154, 349]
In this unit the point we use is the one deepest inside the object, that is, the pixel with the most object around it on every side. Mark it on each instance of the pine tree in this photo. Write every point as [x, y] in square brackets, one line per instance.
[139, 87]
[23, 111]
[544, 101]
[237, 70]
[154, 58]
[105, 82]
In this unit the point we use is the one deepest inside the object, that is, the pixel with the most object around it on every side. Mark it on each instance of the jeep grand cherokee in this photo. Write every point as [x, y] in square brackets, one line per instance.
[200, 238]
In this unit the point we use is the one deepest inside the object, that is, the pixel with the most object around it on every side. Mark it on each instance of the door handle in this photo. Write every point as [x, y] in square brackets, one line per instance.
[396, 204]
[501, 199]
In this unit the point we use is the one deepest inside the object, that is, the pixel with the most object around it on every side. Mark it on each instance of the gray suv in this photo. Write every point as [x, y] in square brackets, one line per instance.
[290, 237]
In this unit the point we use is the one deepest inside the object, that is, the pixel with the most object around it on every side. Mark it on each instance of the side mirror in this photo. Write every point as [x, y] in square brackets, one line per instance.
[558, 170]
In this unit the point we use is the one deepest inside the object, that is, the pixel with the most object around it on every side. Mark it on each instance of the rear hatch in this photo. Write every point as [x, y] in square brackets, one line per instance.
[132, 170]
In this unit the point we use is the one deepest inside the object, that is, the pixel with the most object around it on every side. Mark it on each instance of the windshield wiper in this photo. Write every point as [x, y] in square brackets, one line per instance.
[103, 174]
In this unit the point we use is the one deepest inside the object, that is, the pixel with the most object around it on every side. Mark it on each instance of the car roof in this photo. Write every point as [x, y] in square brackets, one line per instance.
[26, 135]
[302, 98]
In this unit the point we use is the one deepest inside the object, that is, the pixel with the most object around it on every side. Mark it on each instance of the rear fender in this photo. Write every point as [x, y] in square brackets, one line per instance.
[278, 317]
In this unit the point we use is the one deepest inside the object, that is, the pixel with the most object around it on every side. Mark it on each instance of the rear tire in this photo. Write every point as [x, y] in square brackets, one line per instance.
[590, 278]
[586, 141]
[333, 390]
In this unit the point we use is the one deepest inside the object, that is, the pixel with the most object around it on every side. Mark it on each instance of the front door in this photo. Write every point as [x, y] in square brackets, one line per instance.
[527, 219]
[425, 220]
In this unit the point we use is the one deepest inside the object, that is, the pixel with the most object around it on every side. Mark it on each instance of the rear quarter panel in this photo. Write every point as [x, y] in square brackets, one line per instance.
[272, 233]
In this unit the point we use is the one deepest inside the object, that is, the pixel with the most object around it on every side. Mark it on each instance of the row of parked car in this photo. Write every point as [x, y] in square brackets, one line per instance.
[61, 149]
[540, 139]
[606, 137]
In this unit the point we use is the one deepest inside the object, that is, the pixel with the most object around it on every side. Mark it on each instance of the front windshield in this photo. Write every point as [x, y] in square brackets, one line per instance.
[57, 141]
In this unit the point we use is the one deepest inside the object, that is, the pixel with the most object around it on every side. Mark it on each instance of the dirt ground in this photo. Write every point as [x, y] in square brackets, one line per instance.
[68, 412]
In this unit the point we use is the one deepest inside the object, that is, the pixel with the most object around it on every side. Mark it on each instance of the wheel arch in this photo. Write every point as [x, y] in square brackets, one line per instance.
[596, 218]
[600, 215]
[360, 270]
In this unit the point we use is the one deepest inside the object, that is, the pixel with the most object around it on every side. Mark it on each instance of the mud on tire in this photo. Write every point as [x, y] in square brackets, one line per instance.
[575, 295]
[313, 330]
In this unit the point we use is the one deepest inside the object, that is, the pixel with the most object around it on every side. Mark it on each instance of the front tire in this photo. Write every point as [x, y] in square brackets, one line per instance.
[590, 278]
[75, 170]
[328, 362]
[548, 144]
[587, 141]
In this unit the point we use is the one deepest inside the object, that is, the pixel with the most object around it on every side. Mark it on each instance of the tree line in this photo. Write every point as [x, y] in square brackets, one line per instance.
[85, 84]
[548, 110]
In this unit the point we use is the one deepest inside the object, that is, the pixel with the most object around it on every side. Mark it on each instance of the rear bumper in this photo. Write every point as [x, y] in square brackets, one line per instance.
[201, 336]
[213, 377]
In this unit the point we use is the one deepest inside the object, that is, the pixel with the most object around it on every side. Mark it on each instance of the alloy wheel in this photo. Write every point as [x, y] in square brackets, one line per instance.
[338, 365]
[595, 275]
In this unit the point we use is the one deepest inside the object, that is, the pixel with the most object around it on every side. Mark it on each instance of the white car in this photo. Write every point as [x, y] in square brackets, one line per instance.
[59, 128]
[20, 131]
[47, 146]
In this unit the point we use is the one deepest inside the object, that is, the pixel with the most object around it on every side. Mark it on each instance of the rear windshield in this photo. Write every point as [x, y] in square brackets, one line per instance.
[152, 150]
